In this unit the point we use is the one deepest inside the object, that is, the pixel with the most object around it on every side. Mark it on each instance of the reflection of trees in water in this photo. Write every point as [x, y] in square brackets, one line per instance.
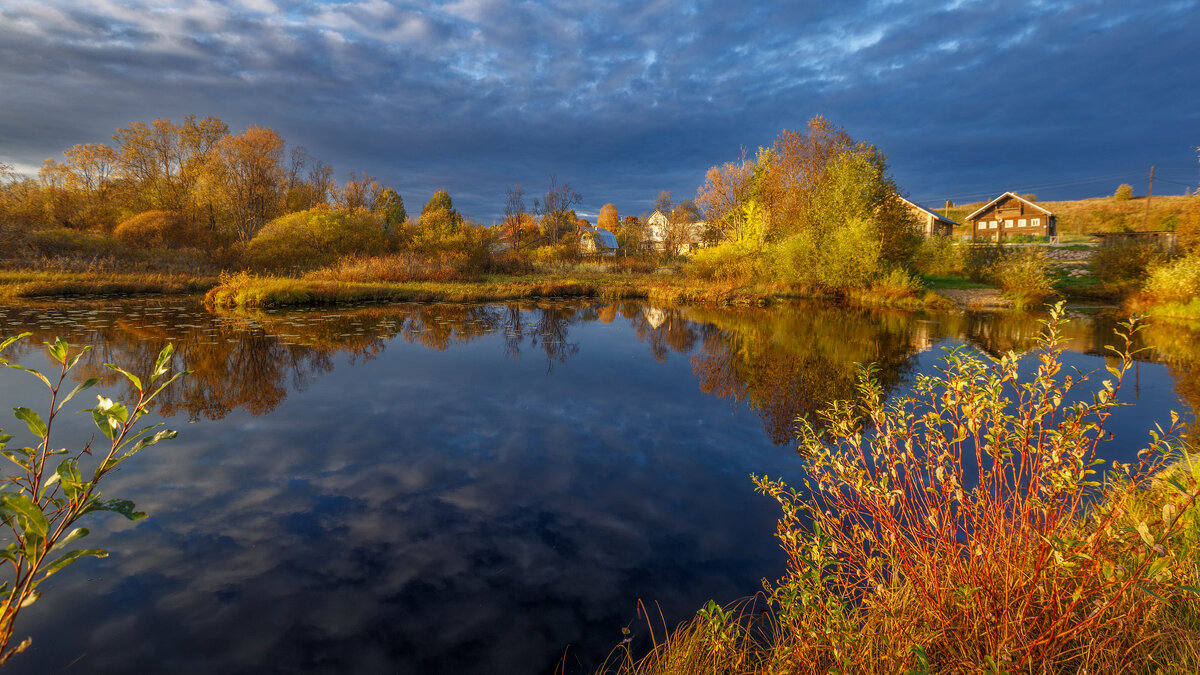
[782, 361]
[785, 364]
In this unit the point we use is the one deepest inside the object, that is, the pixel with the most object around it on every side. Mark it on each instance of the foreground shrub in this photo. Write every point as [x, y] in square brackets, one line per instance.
[966, 528]
[1023, 277]
[45, 497]
[980, 260]
[307, 239]
[939, 256]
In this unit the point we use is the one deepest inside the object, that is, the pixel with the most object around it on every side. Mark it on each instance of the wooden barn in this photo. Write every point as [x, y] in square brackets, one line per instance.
[1009, 215]
[932, 224]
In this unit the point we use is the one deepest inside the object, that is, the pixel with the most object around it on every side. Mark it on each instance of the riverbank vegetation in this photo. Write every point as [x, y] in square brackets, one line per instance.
[969, 527]
[170, 207]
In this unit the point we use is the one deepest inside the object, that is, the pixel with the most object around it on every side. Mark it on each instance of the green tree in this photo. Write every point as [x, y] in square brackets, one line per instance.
[390, 206]
[1124, 192]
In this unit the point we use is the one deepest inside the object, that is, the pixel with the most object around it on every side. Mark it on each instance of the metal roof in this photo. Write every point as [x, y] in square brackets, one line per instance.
[602, 237]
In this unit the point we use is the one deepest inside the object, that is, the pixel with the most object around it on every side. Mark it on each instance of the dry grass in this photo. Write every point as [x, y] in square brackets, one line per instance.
[1099, 214]
[20, 284]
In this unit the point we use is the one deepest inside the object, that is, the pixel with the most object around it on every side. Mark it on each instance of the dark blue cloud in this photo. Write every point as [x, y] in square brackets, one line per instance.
[623, 99]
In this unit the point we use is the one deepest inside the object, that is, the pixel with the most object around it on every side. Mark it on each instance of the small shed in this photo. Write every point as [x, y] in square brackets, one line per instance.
[597, 241]
[1011, 214]
[932, 224]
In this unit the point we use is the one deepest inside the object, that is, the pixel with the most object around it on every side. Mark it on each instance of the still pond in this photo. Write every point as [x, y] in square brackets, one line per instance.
[438, 488]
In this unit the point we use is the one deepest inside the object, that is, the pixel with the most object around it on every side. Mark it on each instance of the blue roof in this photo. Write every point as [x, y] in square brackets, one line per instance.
[602, 237]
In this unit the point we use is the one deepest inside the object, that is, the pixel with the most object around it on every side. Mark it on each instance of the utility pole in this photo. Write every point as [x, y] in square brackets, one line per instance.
[1149, 194]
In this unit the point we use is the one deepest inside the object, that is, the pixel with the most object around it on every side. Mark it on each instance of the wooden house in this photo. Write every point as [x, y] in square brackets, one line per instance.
[597, 241]
[1009, 215]
[932, 224]
[682, 237]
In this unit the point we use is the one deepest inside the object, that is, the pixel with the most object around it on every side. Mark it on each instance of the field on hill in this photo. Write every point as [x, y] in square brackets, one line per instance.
[1099, 214]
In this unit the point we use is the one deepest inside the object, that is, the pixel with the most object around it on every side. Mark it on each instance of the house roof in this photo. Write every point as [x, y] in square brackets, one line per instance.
[1008, 194]
[927, 212]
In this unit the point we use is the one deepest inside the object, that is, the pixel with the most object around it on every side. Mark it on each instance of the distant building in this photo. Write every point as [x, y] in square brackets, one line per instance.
[685, 237]
[932, 224]
[1008, 215]
[597, 241]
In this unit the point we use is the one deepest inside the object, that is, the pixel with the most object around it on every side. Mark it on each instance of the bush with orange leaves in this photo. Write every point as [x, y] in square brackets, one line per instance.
[968, 527]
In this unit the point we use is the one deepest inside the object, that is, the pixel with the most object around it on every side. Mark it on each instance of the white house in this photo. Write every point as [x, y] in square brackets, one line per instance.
[688, 236]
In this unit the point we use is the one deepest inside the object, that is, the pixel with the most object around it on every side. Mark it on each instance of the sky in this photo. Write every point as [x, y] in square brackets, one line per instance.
[967, 98]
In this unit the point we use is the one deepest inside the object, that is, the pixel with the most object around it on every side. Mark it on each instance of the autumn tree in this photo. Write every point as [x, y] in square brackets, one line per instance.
[514, 214]
[438, 217]
[246, 172]
[725, 191]
[359, 192]
[664, 202]
[608, 218]
[555, 209]
[630, 234]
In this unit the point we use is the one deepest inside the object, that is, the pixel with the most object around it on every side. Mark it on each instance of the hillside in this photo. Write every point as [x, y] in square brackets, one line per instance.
[1101, 214]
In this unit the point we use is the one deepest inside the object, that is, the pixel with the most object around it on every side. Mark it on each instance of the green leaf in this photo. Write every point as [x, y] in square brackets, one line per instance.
[121, 506]
[72, 480]
[137, 381]
[147, 441]
[75, 359]
[86, 384]
[163, 362]
[8, 341]
[33, 372]
[26, 511]
[31, 419]
[73, 535]
[58, 350]
[70, 557]
[109, 416]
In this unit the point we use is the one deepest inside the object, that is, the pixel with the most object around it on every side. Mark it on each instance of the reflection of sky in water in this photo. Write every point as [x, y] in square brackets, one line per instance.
[435, 511]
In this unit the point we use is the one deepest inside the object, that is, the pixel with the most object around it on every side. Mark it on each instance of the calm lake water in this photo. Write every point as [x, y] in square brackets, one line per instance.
[466, 489]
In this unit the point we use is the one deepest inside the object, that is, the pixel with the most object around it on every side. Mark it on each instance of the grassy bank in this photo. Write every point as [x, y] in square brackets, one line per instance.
[252, 291]
[17, 285]
[1100, 214]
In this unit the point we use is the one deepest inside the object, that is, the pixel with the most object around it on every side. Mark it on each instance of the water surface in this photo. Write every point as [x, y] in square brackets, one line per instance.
[465, 488]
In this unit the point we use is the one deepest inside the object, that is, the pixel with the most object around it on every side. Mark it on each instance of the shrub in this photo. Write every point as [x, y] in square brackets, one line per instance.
[1022, 277]
[159, 229]
[734, 262]
[449, 266]
[65, 242]
[898, 282]
[1124, 193]
[963, 534]
[316, 237]
[1120, 260]
[980, 261]
[845, 257]
[939, 256]
[1177, 281]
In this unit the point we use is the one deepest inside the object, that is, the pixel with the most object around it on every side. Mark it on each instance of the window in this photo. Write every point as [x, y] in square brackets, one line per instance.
[1022, 222]
[992, 224]
[1008, 223]
[1036, 222]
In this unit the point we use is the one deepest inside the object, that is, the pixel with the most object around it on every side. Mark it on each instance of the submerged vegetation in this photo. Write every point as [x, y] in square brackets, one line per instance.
[969, 527]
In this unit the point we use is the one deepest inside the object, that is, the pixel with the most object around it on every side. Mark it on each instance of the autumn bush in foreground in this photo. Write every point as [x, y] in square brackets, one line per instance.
[967, 527]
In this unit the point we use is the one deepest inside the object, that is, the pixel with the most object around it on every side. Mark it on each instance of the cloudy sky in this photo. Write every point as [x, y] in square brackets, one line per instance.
[968, 98]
